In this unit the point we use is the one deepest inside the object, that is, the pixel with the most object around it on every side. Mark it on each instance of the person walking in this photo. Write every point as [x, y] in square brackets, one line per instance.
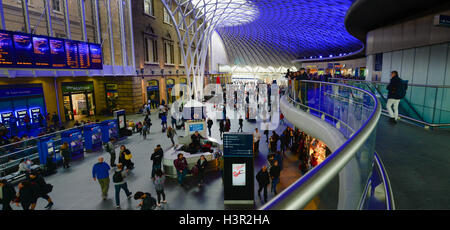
[100, 172]
[163, 122]
[156, 157]
[159, 181]
[144, 131]
[181, 165]
[171, 134]
[210, 124]
[275, 175]
[201, 165]
[219, 160]
[26, 196]
[41, 187]
[395, 94]
[120, 183]
[7, 195]
[147, 203]
[111, 149]
[65, 154]
[263, 179]
[241, 123]
[256, 139]
[221, 128]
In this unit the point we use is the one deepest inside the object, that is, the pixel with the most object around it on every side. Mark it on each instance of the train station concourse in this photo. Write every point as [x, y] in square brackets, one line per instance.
[228, 106]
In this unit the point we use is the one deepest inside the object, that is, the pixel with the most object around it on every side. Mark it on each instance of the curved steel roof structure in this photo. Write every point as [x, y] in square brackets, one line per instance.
[285, 30]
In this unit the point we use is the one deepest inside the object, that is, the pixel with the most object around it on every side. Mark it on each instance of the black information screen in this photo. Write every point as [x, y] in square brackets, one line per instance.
[24, 50]
[72, 54]
[6, 49]
[83, 52]
[58, 53]
[238, 144]
[41, 51]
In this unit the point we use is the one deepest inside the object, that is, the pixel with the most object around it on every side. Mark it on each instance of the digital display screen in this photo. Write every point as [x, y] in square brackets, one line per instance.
[122, 122]
[237, 144]
[24, 50]
[95, 51]
[238, 171]
[72, 54]
[21, 115]
[6, 117]
[6, 49]
[35, 114]
[58, 53]
[21, 50]
[195, 127]
[83, 52]
[41, 51]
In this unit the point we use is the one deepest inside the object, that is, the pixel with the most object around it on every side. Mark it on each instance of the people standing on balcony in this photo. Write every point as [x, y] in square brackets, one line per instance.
[396, 91]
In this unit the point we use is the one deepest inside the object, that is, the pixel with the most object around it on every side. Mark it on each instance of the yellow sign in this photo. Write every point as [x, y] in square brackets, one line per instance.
[153, 83]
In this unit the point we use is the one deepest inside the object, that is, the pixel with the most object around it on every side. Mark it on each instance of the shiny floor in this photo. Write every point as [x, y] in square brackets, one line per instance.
[74, 188]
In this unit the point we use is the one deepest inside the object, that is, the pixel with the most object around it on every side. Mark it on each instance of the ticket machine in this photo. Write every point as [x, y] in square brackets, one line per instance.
[21, 114]
[92, 137]
[35, 112]
[109, 129]
[75, 140]
[46, 149]
[6, 118]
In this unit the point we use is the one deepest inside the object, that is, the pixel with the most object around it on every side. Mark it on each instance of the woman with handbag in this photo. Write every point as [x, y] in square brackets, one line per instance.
[42, 189]
[125, 157]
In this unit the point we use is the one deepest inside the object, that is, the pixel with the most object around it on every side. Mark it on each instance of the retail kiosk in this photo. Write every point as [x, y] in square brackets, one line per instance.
[109, 129]
[92, 137]
[75, 140]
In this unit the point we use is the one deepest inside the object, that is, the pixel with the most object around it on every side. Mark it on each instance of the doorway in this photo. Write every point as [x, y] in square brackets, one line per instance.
[78, 106]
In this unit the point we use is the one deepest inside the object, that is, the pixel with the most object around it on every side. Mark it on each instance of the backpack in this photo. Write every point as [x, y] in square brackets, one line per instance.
[117, 177]
[403, 88]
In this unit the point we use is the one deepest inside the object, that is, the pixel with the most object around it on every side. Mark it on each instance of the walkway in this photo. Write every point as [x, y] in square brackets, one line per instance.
[74, 188]
[418, 164]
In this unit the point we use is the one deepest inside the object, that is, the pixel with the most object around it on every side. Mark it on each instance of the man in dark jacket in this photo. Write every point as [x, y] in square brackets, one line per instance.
[26, 196]
[275, 175]
[221, 128]
[394, 96]
[157, 157]
[210, 124]
[42, 188]
[196, 137]
[241, 123]
[263, 180]
[8, 194]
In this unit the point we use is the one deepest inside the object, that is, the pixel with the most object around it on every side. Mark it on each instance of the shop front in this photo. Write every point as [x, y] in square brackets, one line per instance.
[78, 100]
[170, 83]
[22, 108]
[153, 93]
[112, 96]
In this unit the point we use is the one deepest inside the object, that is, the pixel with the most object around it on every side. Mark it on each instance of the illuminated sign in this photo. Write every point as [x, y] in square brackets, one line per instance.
[20, 50]
[238, 171]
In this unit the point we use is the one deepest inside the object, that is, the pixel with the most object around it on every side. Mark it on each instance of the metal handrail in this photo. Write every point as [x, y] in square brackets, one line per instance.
[426, 124]
[387, 83]
[301, 192]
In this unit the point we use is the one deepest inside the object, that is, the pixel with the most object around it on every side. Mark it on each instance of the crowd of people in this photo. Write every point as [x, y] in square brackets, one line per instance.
[304, 74]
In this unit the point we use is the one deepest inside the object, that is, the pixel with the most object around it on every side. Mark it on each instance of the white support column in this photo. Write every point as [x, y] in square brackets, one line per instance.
[48, 16]
[98, 35]
[67, 18]
[111, 42]
[2, 16]
[122, 34]
[26, 16]
[133, 58]
[82, 19]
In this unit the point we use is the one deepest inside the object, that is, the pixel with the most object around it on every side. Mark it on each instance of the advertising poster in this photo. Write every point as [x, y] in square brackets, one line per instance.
[238, 175]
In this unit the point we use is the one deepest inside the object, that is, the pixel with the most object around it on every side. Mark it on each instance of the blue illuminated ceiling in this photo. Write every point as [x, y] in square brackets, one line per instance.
[285, 30]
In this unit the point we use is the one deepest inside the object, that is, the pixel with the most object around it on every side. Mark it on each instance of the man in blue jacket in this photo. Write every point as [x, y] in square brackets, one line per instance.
[100, 172]
[394, 96]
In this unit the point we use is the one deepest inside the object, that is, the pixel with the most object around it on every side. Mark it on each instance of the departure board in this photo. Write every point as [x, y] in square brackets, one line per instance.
[84, 58]
[235, 144]
[96, 56]
[21, 50]
[6, 49]
[41, 51]
[58, 53]
[72, 54]
[24, 50]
